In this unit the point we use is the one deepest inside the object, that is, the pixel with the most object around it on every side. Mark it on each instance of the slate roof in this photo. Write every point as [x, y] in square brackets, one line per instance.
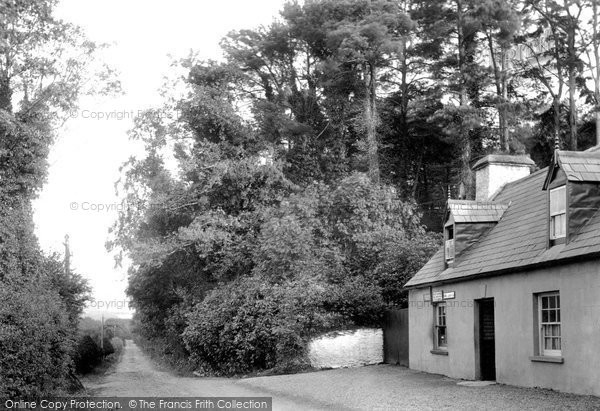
[579, 165]
[465, 211]
[518, 241]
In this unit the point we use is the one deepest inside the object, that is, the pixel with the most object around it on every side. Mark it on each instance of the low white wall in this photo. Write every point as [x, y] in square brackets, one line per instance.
[347, 348]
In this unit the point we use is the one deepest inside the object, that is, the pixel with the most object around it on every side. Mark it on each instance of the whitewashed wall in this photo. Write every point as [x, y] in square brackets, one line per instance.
[347, 348]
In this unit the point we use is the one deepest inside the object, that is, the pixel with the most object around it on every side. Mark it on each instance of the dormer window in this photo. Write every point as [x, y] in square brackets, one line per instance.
[449, 248]
[558, 213]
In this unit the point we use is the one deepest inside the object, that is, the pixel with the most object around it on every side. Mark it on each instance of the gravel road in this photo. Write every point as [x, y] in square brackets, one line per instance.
[374, 387]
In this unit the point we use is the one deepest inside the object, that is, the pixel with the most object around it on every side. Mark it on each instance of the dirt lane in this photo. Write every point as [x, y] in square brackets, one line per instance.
[136, 375]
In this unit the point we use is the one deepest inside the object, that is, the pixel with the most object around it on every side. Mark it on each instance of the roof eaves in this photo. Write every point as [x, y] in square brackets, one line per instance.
[509, 270]
[551, 168]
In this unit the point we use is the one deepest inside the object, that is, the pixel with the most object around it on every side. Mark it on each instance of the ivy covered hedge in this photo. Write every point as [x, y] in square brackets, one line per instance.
[36, 341]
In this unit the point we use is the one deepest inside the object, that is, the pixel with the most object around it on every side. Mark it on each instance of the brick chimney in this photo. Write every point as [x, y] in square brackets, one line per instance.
[495, 170]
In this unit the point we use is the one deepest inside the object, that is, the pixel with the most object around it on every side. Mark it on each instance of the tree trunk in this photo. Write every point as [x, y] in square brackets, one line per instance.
[500, 82]
[557, 122]
[5, 94]
[572, 73]
[572, 112]
[505, 146]
[596, 46]
[465, 173]
[371, 122]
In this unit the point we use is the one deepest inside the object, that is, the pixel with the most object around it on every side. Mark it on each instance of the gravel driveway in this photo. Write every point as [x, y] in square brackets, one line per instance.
[398, 388]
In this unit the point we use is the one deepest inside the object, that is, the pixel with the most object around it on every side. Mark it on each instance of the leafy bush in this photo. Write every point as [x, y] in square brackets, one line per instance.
[398, 262]
[320, 259]
[117, 344]
[89, 355]
[251, 324]
[35, 341]
[107, 347]
[326, 258]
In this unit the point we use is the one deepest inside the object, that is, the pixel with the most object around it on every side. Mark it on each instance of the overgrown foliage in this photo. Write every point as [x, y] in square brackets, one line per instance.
[36, 340]
[44, 66]
[291, 193]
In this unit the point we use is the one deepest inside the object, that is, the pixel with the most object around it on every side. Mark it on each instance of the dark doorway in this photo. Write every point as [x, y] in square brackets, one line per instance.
[487, 340]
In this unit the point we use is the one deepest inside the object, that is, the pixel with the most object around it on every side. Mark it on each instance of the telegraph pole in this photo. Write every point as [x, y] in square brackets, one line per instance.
[67, 256]
[102, 336]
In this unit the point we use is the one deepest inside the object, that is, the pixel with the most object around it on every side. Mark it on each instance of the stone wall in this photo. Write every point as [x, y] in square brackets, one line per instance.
[347, 348]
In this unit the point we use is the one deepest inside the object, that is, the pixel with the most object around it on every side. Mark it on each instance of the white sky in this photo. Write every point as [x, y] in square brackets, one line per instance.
[86, 158]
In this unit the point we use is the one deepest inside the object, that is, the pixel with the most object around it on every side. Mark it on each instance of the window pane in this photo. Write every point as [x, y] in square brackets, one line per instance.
[440, 325]
[550, 328]
[449, 249]
[556, 343]
[557, 200]
[441, 336]
[558, 217]
[558, 225]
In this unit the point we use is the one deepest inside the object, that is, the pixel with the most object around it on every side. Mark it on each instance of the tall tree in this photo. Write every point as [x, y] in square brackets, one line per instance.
[573, 10]
[463, 76]
[554, 56]
[43, 69]
[590, 39]
[371, 41]
[499, 24]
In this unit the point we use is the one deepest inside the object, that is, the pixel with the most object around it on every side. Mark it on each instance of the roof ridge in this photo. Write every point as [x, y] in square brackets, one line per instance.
[472, 202]
[520, 180]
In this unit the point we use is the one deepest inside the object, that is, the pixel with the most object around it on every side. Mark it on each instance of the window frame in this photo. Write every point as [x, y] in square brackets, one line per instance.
[437, 326]
[554, 214]
[449, 243]
[543, 324]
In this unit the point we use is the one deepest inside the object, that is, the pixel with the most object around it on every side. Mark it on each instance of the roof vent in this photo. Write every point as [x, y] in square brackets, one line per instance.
[495, 170]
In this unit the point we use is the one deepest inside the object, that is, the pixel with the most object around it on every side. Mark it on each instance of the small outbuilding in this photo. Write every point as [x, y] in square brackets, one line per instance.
[514, 294]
